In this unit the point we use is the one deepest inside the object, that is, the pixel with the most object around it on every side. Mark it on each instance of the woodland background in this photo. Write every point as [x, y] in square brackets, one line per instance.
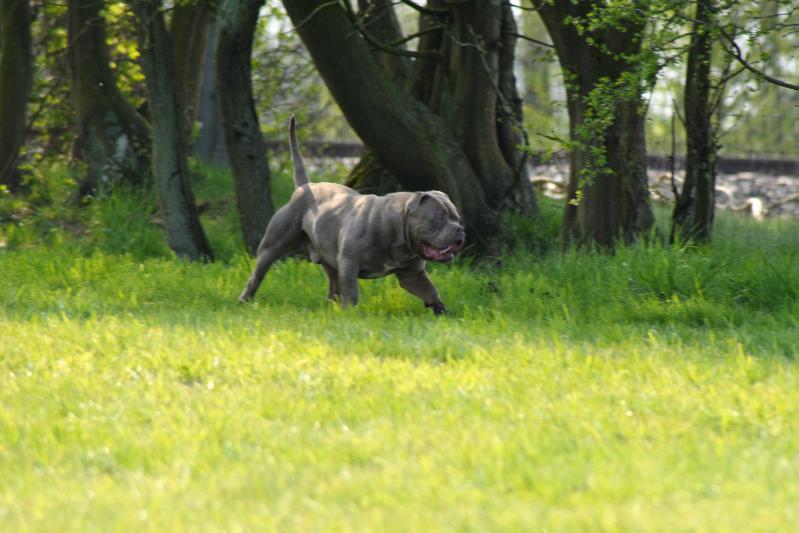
[457, 96]
[619, 353]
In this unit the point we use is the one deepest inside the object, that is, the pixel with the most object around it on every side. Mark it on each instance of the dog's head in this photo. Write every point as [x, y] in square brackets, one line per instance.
[433, 227]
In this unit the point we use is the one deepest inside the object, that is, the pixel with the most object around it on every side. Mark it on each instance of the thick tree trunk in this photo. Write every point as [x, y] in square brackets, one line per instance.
[694, 210]
[454, 149]
[378, 18]
[190, 27]
[368, 176]
[210, 144]
[475, 67]
[490, 135]
[113, 139]
[16, 75]
[608, 201]
[185, 234]
[608, 194]
[243, 138]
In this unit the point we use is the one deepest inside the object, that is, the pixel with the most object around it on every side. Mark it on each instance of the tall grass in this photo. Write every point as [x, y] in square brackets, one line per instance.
[655, 388]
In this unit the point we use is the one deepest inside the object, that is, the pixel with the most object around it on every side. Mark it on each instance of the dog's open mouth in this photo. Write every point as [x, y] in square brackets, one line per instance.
[442, 255]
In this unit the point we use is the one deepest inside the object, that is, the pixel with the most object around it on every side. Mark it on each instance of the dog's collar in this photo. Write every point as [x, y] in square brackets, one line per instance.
[409, 242]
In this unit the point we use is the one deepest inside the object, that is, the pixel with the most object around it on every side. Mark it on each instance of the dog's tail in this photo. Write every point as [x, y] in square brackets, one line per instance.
[300, 177]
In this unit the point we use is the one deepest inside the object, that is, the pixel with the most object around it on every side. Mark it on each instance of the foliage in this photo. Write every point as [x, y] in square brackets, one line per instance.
[652, 388]
[124, 51]
[50, 112]
[541, 88]
[285, 82]
[746, 116]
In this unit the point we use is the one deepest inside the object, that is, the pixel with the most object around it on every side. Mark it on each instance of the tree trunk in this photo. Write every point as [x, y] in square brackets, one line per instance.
[190, 26]
[113, 139]
[510, 129]
[245, 144]
[608, 194]
[475, 69]
[210, 144]
[184, 232]
[454, 149]
[16, 76]
[694, 210]
[378, 18]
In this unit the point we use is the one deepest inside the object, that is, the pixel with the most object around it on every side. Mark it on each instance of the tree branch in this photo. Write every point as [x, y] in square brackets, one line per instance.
[404, 40]
[316, 10]
[383, 47]
[518, 6]
[526, 38]
[427, 10]
[736, 52]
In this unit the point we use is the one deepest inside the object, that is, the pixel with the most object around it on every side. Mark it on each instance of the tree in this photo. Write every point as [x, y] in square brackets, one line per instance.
[113, 139]
[245, 145]
[190, 27]
[599, 47]
[695, 204]
[703, 95]
[209, 146]
[454, 124]
[16, 74]
[184, 232]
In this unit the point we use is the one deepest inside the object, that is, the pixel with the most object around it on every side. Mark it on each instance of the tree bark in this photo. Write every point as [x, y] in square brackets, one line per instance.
[454, 149]
[510, 129]
[243, 138]
[113, 139]
[694, 210]
[608, 194]
[190, 26]
[378, 18]
[16, 77]
[210, 144]
[184, 232]
[475, 66]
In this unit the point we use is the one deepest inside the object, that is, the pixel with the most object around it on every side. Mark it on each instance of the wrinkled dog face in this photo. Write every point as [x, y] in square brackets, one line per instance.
[435, 226]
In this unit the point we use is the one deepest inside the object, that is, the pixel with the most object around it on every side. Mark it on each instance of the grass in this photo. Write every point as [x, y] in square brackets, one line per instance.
[655, 389]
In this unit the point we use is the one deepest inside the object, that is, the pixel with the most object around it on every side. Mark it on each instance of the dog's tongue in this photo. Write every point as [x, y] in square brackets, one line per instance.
[439, 254]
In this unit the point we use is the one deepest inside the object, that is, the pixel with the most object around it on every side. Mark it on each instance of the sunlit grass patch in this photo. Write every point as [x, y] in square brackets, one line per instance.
[655, 389]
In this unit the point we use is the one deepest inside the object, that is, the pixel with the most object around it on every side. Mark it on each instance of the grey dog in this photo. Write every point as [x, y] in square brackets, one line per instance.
[361, 236]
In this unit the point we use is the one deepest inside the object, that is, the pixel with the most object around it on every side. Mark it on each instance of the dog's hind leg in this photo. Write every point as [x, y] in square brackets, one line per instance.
[283, 235]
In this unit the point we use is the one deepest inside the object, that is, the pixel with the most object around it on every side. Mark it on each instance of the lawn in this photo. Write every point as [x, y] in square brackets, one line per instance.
[653, 389]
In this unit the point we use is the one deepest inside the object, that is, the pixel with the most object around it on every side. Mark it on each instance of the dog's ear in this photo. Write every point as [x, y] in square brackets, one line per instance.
[416, 200]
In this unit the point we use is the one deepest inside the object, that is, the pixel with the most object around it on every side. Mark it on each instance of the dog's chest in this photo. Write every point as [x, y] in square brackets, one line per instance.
[369, 269]
[377, 267]
[375, 271]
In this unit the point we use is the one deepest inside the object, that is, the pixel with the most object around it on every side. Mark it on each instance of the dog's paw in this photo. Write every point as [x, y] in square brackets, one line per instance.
[437, 307]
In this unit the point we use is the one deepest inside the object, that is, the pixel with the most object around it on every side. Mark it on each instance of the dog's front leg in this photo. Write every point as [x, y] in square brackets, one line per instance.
[348, 290]
[419, 284]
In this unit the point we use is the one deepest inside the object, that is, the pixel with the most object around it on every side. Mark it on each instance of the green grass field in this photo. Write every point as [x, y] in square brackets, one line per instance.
[654, 389]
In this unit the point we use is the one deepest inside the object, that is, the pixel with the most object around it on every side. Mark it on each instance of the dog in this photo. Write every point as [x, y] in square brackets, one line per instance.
[361, 236]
